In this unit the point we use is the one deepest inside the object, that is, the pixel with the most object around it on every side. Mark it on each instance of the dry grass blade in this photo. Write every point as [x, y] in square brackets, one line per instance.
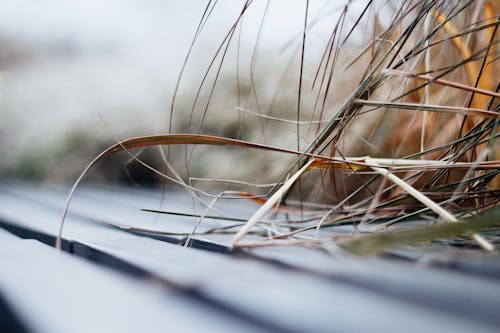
[399, 164]
[210, 217]
[373, 244]
[156, 140]
[169, 139]
[273, 200]
[446, 83]
[460, 44]
[217, 217]
[168, 233]
[433, 108]
[186, 139]
[445, 215]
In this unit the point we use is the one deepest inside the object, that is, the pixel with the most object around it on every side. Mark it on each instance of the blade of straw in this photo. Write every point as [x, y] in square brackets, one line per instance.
[273, 200]
[444, 214]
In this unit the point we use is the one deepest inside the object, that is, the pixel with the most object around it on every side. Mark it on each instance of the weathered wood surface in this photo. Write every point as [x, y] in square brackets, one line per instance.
[160, 283]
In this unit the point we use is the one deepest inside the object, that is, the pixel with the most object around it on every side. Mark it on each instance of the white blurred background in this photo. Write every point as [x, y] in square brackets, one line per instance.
[63, 62]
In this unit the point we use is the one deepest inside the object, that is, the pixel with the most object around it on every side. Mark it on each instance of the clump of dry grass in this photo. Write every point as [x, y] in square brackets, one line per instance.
[423, 115]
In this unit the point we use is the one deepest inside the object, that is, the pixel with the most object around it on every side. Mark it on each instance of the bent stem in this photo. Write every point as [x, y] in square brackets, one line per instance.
[273, 200]
[444, 214]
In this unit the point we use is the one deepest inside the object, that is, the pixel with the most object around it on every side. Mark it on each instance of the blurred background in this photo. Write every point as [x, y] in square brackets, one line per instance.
[65, 63]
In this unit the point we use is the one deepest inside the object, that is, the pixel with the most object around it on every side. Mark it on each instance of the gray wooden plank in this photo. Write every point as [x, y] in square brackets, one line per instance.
[468, 295]
[472, 261]
[55, 292]
[113, 210]
[288, 297]
[314, 304]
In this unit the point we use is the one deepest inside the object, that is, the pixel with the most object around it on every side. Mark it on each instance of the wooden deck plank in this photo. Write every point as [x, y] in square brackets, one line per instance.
[52, 291]
[376, 288]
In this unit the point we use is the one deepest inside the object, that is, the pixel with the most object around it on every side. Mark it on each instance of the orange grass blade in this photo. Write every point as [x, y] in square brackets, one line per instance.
[471, 67]
[186, 139]
[168, 139]
[156, 140]
[487, 79]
